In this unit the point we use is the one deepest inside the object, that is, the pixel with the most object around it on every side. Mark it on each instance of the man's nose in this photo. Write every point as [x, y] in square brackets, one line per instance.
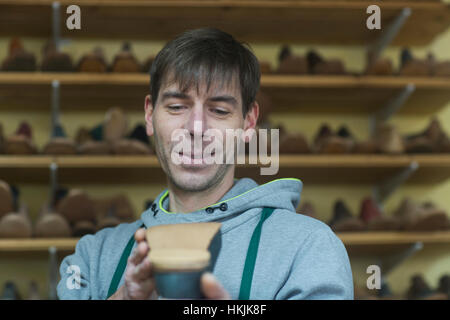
[196, 123]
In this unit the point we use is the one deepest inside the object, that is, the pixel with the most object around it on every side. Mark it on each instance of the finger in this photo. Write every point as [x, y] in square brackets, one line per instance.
[139, 253]
[143, 271]
[212, 289]
[139, 235]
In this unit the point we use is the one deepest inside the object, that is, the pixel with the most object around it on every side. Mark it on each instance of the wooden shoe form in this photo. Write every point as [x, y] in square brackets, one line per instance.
[60, 146]
[19, 145]
[6, 199]
[76, 206]
[93, 62]
[115, 125]
[51, 224]
[381, 67]
[181, 247]
[16, 224]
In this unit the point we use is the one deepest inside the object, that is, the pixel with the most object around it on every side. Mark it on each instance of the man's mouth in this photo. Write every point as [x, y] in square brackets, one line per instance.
[194, 159]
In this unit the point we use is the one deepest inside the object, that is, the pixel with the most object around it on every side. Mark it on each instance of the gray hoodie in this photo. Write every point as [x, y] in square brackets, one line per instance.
[298, 257]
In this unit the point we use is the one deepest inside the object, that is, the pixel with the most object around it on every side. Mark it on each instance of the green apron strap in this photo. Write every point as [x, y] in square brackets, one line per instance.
[121, 266]
[249, 267]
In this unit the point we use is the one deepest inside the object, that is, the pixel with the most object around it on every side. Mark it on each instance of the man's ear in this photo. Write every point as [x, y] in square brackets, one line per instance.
[251, 118]
[149, 115]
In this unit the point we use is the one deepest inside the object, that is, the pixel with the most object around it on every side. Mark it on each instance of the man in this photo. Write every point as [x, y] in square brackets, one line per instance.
[205, 76]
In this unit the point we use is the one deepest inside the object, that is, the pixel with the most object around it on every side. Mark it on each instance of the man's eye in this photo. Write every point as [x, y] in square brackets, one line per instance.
[220, 112]
[175, 107]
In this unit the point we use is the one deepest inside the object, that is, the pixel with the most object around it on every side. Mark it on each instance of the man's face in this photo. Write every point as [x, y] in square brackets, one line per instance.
[195, 111]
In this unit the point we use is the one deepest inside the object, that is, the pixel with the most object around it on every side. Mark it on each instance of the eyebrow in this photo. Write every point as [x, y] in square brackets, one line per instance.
[180, 95]
[174, 94]
[227, 99]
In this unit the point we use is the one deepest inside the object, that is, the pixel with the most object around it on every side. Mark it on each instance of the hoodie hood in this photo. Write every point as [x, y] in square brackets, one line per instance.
[234, 208]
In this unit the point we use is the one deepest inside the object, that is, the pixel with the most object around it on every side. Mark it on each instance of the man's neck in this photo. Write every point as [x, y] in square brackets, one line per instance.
[181, 201]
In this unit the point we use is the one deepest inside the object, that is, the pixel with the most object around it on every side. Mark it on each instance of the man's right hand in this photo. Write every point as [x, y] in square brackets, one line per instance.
[139, 282]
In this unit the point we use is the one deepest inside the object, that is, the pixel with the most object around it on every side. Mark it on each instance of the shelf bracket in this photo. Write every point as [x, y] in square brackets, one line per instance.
[389, 263]
[53, 185]
[55, 108]
[383, 190]
[53, 274]
[56, 24]
[386, 37]
[391, 107]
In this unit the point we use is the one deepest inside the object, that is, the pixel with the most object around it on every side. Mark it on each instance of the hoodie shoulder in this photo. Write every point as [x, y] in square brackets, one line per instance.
[300, 222]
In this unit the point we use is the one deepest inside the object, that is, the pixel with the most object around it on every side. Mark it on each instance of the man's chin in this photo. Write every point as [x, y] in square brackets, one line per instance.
[194, 178]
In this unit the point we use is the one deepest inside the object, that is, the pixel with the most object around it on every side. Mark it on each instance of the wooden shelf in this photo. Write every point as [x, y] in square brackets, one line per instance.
[37, 244]
[369, 241]
[342, 94]
[388, 243]
[311, 169]
[294, 21]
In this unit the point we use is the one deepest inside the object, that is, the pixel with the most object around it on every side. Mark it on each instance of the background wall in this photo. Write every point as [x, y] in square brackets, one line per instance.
[431, 261]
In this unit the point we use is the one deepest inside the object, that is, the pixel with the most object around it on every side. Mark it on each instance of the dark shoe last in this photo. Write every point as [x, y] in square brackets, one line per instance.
[419, 289]
[285, 52]
[444, 285]
[343, 220]
[10, 292]
[369, 210]
[313, 59]
[139, 133]
[60, 193]
[344, 132]
[405, 56]
[324, 132]
[20, 62]
[82, 228]
[97, 133]
[24, 129]
[57, 62]
[385, 291]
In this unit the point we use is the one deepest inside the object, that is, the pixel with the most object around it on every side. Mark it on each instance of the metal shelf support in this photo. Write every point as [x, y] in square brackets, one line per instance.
[55, 108]
[56, 24]
[383, 190]
[53, 185]
[392, 106]
[389, 33]
[53, 274]
[389, 263]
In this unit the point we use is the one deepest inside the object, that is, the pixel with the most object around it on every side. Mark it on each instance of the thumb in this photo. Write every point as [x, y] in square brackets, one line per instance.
[212, 289]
